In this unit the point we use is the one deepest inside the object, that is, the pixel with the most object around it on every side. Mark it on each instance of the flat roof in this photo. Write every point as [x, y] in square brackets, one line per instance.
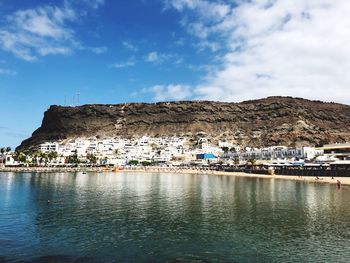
[335, 146]
[347, 162]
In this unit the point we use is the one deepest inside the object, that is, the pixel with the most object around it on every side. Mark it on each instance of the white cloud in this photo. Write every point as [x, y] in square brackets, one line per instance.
[46, 22]
[44, 51]
[208, 13]
[94, 3]
[129, 46]
[281, 47]
[98, 50]
[42, 31]
[169, 92]
[33, 32]
[152, 57]
[160, 58]
[129, 63]
[209, 10]
[7, 72]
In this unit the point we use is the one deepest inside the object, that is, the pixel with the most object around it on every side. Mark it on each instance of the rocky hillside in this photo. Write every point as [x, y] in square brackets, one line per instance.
[271, 121]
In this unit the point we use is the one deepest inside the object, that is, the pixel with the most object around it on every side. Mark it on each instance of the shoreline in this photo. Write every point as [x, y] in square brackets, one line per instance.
[307, 179]
[50, 169]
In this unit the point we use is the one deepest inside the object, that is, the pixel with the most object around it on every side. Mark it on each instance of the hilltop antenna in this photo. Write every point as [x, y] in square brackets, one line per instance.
[78, 98]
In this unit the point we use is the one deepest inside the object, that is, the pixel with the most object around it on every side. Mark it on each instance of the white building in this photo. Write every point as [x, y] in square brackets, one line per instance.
[49, 147]
[276, 153]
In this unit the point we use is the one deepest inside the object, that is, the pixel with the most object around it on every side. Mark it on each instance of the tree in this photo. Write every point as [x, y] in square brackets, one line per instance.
[20, 157]
[134, 162]
[146, 163]
[73, 159]
[236, 160]
[252, 161]
[225, 149]
[92, 158]
[26, 152]
[233, 150]
[52, 155]
[5, 149]
[43, 157]
[23, 158]
[35, 156]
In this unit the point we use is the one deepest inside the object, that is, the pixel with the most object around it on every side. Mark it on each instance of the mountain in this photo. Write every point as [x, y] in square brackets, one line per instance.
[264, 122]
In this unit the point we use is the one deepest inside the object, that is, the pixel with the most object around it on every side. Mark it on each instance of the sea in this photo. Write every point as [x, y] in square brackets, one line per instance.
[165, 217]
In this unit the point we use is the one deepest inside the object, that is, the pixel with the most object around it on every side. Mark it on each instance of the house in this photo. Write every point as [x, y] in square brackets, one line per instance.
[339, 150]
[49, 147]
[8, 160]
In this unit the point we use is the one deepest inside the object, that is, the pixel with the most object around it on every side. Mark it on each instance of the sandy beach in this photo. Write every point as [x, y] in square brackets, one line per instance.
[308, 179]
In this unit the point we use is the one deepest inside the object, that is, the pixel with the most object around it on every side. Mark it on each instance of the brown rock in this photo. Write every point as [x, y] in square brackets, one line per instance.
[271, 121]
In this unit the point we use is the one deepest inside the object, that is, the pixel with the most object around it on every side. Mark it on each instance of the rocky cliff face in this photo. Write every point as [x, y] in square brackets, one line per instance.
[271, 121]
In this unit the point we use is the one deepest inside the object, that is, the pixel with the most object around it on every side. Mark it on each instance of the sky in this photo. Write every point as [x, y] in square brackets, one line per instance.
[74, 52]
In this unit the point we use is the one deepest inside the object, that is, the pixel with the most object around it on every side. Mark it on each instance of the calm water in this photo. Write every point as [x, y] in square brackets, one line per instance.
[170, 218]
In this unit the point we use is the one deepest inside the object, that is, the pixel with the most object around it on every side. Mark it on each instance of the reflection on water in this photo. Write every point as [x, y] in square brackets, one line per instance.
[170, 218]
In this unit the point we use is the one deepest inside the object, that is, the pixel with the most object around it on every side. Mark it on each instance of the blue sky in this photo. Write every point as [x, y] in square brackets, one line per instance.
[125, 48]
[156, 50]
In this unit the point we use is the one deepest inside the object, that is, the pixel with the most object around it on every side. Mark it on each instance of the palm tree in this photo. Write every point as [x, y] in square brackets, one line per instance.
[73, 159]
[252, 161]
[43, 157]
[225, 149]
[35, 156]
[233, 150]
[52, 155]
[236, 161]
[92, 158]
[20, 157]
